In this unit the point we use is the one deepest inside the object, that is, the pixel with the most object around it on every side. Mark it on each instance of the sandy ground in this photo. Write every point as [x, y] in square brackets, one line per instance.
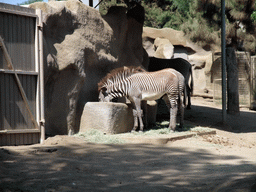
[222, 162]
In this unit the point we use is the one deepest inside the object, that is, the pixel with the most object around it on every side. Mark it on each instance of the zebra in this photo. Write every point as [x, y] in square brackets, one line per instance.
[179, 64]
[137, 84]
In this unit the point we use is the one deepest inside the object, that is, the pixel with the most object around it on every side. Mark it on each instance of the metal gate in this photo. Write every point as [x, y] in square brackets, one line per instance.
[21, 89]
[244, 79]
[253, 82]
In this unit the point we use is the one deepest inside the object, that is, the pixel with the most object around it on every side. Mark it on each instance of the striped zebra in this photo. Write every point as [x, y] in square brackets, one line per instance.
[136, 84]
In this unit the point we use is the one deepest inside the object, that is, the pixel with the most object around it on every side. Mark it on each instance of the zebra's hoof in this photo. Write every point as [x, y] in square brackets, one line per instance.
[133, 131]
[140, 131]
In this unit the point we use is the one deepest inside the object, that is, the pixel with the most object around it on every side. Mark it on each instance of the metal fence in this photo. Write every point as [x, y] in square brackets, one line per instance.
[253, 82]
[245, 75]
[20, 100]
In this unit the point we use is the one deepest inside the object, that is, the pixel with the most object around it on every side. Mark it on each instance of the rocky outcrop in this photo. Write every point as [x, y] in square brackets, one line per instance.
[80, 47]
[169, 43]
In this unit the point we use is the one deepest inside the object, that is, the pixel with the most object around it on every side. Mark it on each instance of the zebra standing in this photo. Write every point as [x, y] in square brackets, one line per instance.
[137, 85]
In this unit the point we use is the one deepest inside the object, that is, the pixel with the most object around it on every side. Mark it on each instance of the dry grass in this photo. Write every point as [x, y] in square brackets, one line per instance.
[161, 129]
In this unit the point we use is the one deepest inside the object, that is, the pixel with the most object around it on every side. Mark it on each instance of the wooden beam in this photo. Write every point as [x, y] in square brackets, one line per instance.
[7, 71]
[19, 131]
[15, 12]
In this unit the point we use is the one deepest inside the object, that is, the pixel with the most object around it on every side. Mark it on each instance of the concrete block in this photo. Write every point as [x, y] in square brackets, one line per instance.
[113, 118]
[110, 118]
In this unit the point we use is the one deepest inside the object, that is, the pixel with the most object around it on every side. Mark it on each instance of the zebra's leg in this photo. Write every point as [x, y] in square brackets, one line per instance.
[173, 111]
[173, 108]
[181, 113]
[137, 103]
[173, 115]
[135, 120]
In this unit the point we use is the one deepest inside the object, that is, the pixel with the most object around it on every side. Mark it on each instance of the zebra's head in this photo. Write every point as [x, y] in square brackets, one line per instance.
[108, 87]
[104, 96]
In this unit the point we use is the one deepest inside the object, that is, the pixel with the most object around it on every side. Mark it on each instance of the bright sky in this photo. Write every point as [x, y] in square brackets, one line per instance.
[15, 2]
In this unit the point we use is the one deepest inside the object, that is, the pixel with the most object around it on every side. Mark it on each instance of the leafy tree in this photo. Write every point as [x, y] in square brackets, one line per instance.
[201, 19]
[29, 2]
[165, 13]
[33, 1]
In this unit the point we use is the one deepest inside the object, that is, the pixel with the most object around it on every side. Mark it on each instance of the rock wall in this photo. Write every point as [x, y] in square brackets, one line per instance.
[81, 47]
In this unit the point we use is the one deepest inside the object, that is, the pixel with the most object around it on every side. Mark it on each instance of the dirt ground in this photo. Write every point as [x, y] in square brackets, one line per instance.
[222, 162]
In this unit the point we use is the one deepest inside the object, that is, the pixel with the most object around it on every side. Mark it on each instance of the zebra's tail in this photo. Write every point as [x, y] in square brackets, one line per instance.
[191, 82]
[185, 95]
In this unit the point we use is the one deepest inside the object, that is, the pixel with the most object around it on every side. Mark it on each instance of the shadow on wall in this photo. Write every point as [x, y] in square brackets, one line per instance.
[80, 47]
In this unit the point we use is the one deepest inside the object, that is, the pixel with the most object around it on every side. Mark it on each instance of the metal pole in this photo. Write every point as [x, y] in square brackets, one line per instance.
[41, 74]
[91, 3]
[223, 61]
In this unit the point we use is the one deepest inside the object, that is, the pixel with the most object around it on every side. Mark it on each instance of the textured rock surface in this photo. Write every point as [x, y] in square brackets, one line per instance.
[164, 48]
[80, 47]
[110, 118]
[159, 42]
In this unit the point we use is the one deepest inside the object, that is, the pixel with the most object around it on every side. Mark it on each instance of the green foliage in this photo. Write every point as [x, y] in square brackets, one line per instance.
[33, 1]
[253, 16]
[201, 19]
[105, 5]
[182, 5]
[198, 30]
[29, 2]
[165, 13]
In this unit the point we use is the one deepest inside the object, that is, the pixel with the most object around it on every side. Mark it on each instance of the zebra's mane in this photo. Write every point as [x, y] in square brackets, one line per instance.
[119, 73]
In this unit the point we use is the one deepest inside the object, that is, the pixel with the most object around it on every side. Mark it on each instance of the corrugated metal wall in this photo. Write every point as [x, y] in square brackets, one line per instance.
[14, 114]
[17, 29]
[18, 33]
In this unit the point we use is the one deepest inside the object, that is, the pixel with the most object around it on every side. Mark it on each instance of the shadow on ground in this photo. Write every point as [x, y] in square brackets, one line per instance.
[212, 117]
[91, 167]
[81, 166]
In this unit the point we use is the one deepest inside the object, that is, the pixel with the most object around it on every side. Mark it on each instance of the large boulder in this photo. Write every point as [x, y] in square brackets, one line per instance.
[80, 47]
[164, 48]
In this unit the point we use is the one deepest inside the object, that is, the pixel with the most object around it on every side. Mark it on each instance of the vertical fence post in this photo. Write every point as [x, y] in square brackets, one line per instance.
[91, 3]
[41, 73]
[223, 61]
[232, 82]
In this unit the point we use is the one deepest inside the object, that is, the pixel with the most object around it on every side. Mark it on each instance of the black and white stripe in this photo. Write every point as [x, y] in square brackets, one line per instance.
[167, 83]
